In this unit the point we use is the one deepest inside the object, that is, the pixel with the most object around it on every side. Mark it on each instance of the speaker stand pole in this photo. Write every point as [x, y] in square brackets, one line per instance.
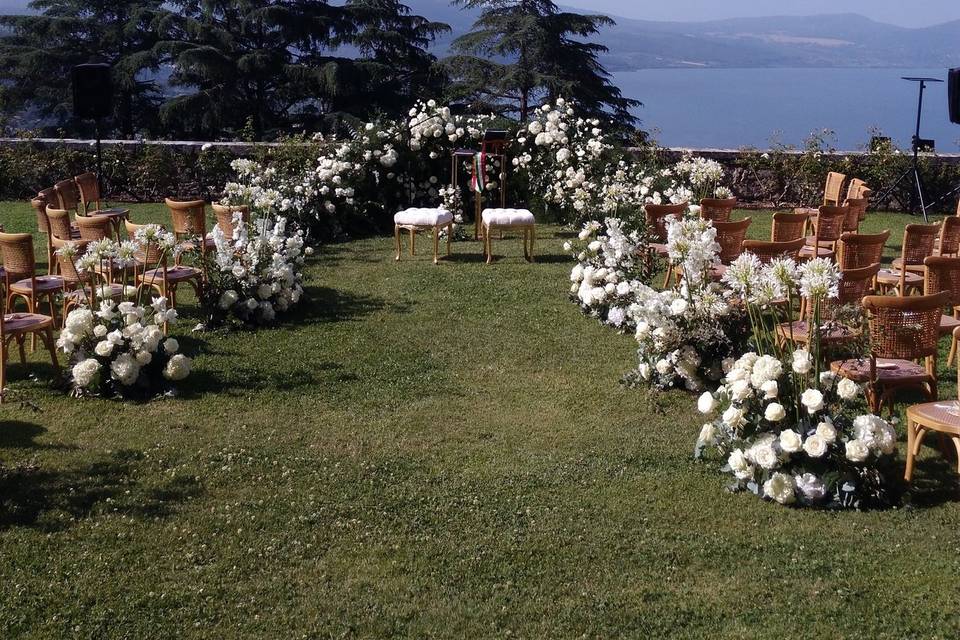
[99, 161]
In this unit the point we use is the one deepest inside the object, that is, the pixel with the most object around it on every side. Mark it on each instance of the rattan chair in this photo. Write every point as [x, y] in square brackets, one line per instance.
[95, 227]
[858, 208]
[903, 331]
[225, 215]
[833, 188]
[190, 225]
[854, 285]
[766, 252]
[730, 237]
[855, 189]
[918, 243]
[17, 326]
[861, 250]
[68, 196]
[156, 275]
[656, 215]
[717, 210]
[21, 279]
[948, 242]
[828, 227]
[940, 417]
[943, 275]
[788, 226]
[93, 204]
[83, 288]
[39, 204]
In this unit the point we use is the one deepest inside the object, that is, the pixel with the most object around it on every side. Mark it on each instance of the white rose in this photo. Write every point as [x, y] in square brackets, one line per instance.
[732, 417]
[706, 403]
[678, 307]
[104, 348]
[85, 372]
[790, 441]
[815, 446]
[857, 451]
[707, 434]
[770, 389]
[775, 413]
[764, 369]
[802, 362]
[780, 487]
[827, 431]
[812, 400]
[178, 368]
[765, 455]
[171, 346]
[144, 358]
[99, 331]
[847, 389]
[740, 465]
[740, 390]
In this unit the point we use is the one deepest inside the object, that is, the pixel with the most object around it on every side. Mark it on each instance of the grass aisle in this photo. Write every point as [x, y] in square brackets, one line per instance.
[430, 452]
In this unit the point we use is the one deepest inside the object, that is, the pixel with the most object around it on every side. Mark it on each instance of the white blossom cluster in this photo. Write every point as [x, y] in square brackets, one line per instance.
[692, 246]
[122, 348]
[786, 435]
[702, 175]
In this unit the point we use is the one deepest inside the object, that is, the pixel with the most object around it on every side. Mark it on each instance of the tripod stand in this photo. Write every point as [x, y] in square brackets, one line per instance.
[918, 142]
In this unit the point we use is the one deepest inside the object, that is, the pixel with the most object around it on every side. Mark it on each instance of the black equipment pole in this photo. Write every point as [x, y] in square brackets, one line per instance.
[99, 161]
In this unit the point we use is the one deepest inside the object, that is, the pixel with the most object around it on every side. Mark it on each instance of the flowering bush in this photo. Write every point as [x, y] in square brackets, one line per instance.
[255, 274]
[791, 436]
[121, 349]
[451, 200]
[703, 177]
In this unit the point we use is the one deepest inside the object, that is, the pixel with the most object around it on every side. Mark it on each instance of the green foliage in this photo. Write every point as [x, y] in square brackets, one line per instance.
[521, 52]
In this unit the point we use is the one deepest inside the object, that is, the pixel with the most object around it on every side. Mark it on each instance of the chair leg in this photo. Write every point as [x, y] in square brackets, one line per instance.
[436, 245]
[449, 238]
[488, 243]
[911, 437]
[413, 242]
[3, 368]
[396, 237]
[533, 237]
[48, 339]
[20, 345]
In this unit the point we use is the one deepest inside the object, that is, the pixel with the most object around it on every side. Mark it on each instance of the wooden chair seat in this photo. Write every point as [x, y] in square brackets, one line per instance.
[948, 324]
[890, 371]
[799, 331]
[179, 273]
[897, 264]
[113, 212]
[191, 245]
[21, 323]
[944, 415]
[892, 278]
[80, 295]
[659, 248]
[808, 253]
[45, 284]
[809, 241]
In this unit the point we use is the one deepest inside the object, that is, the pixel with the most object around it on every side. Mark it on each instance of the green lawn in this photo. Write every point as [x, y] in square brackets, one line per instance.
[431, 451]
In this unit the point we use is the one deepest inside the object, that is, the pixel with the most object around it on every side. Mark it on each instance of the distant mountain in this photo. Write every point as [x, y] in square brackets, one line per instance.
[838, 40]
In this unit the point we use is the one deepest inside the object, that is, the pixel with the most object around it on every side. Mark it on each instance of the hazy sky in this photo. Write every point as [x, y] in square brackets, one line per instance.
[907, 13]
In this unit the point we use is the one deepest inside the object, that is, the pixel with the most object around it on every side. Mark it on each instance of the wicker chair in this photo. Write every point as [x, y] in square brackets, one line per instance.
[717, 210]
[948, 243]
[828, 227]
[162, 278]
[21, 279]
[17, 326]
[92, 203]
[656, 215]
[943, 275]
[730, 237]
[940, 417]
[861, 250]
[854, 285]
[902, 331]
[95, 227]
[68, 195]
[766, 252]
[833, 188]
[788, 226]
[858, 208]
[906, 272]
[855, 188]
[225, 214]
[190, 225]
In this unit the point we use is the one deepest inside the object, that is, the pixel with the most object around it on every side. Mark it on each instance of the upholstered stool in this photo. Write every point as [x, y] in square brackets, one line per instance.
[517, 219]
[415, 220]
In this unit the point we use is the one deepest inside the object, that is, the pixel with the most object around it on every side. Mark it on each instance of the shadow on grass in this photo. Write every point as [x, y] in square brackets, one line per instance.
[324, 304]
[935, 482]
[54, 500]
[15, 434]
[243, 381]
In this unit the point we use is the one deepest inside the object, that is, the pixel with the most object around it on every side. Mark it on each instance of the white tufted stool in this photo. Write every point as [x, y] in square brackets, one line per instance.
[518, 219]
[415, 220]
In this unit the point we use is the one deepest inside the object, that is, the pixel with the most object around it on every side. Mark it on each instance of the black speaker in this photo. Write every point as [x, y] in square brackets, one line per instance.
[953, 93]
[92, 91]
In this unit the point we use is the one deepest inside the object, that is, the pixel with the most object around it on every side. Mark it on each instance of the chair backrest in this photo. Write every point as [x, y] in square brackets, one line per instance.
[151, 253]
[861, 249]
[68, 266]
[94, 227]
[225, 213]
[17, 251]
[89, 192]
[766, 252]
[949, 241]
[189, 217]
[865, 196]
[942, 274]
[858, 207]
[788, 226]
[904, 328]
[855, 283]
[68, 195]
[918, 243]
[855, 189]
[59, 223]
[39, 204]
[717, 210]
[730, 237]
[828, 224]
[656, 215]
[833, 188]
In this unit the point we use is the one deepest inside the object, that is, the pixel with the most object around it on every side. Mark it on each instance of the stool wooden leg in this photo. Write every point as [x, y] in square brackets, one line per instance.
[449, 238]
[487, 243]
[413, 242]
[436, 245]
[533, 237]
[3, 368]
[396, 236]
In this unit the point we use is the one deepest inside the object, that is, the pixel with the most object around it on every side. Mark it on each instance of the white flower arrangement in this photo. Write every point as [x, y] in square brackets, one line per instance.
[451, 199]
[121, 350]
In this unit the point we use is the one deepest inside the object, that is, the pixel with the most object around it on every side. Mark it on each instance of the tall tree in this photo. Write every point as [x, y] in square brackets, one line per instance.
[522, 51]
[38, 52]
[394, 53]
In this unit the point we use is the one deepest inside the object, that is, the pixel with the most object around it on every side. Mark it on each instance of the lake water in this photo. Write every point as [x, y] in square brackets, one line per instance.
[731, 108]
